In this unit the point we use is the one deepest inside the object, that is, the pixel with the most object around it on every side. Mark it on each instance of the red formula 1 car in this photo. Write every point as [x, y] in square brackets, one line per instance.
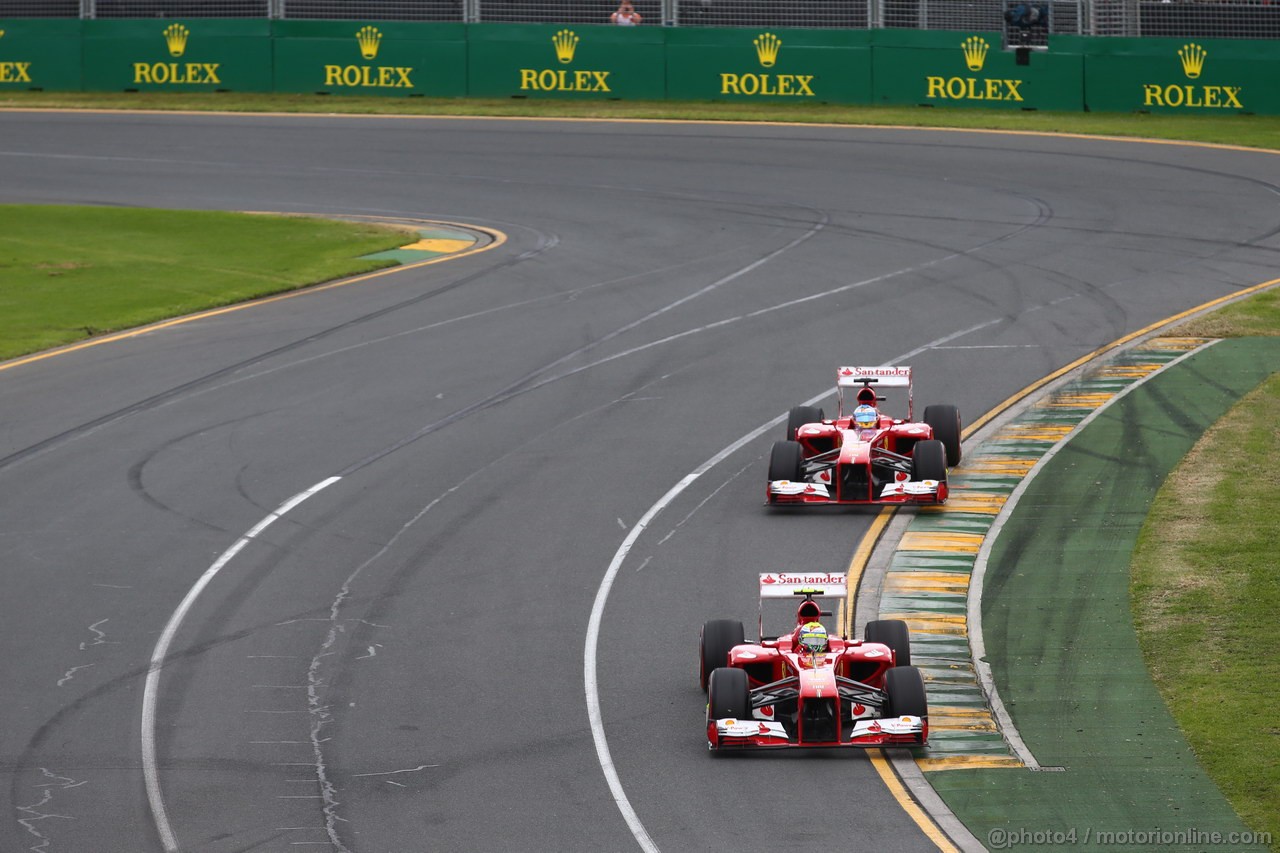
[862, 456]
[805, 687]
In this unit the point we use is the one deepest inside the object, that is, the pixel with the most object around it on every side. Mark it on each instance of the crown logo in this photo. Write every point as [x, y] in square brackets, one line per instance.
[175, 36]
[369, 38]
[975, 52]
[566, 43]
[1192, 56]
[767, 45]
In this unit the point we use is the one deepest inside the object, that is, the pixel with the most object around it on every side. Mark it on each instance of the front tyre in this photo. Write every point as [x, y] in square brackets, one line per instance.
[894, 634]
[800, 416]
[929, 461]
[718, 638]
[728, 695]
[945, 421]
[904, 687]
[786, 461]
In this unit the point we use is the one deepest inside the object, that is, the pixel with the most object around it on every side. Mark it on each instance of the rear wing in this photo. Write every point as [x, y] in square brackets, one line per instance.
[817, 584]
[873, 378]
[797, 586]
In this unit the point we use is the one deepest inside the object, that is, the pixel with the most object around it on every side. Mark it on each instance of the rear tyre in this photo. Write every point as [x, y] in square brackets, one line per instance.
[945, 421]
[718, 638]
[904, 687]
[894, 634]
[801, 415]
[929, 461]
[728, 694]
[786, 461]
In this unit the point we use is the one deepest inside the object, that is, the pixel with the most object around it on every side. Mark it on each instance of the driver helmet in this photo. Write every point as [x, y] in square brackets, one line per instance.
[866, 417]
[813, 638]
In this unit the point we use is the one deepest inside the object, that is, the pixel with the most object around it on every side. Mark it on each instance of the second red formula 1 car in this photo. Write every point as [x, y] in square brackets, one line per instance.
[806, 687]
[862, 456]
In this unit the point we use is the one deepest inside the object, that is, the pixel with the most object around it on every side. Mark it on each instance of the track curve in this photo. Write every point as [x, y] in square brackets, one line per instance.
[397, 663]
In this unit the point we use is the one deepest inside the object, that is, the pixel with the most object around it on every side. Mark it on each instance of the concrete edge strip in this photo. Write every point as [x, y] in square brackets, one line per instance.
[913, 778]
[977, 643]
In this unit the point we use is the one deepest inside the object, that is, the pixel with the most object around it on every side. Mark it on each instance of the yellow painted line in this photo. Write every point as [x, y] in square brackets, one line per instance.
[1034, 432]
[858, 564]
[944, 724]
[439, 244]
[1076, 401]
[967, 762]
[966, 543]
[1012, 467]
[1022, 430]
[979, 502]
[909, 805]
[927, 581]
[1128, 371]
[918, 627]
[1173, 344]
[957, 711]
[498, 239]
[939, 625]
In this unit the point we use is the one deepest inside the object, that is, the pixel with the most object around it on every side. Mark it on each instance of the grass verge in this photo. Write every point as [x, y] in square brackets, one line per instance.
[1248, 131]
[1205, 586]
[68, 273]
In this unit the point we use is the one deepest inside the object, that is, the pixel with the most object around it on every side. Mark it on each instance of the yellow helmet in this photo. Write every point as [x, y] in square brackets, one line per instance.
[813, 637]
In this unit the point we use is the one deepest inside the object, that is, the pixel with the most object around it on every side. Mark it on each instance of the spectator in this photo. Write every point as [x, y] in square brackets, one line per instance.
[626, 16]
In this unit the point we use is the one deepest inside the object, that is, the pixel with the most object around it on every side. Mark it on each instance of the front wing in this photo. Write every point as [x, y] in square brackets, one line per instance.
[732, 733]
[904, 492]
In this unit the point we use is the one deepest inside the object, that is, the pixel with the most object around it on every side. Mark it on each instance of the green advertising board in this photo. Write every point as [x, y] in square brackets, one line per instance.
[37, 54]
[370, 58]
[570, 61]
[1213, 76]
[970, 69]
[821, 66]
[196, 54]
[886, 66]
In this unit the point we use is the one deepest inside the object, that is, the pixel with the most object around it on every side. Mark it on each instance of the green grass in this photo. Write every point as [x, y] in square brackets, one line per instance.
[1205, 587]
[1257, 315]
[68, 273]
[1249, 131]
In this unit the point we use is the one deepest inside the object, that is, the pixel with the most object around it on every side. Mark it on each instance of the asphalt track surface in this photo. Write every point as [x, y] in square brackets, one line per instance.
[397, 663]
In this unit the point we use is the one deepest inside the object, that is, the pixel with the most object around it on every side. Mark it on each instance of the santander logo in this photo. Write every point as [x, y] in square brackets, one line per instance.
[783, 577]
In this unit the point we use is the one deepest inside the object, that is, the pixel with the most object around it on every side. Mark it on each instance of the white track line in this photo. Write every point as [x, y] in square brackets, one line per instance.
[151, 691]
[590, 680]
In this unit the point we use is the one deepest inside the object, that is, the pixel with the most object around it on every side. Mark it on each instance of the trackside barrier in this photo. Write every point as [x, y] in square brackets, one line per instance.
[1215, 76]
[193, 54]
[797, 65]
[370, 58]
[957, 69]
[40, 55]
[848, 66]
[548, 61]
